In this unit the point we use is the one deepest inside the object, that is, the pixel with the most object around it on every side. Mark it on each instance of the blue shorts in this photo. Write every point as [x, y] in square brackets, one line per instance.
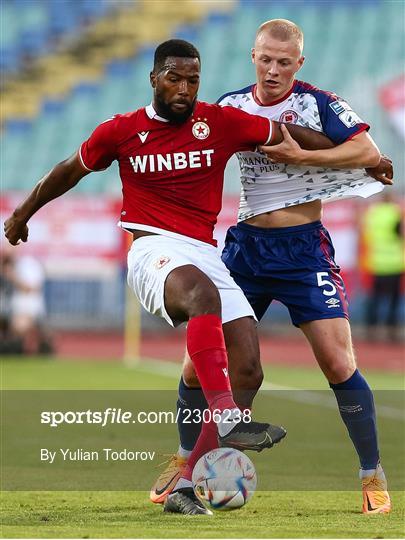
[294, 265]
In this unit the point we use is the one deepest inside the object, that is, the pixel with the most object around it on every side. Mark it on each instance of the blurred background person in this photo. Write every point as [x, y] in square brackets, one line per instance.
[383, 242]
[23, 305]
[8, 344]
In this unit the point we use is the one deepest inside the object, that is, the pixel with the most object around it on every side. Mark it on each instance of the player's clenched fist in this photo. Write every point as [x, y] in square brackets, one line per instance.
[384, 171]
[15, 230]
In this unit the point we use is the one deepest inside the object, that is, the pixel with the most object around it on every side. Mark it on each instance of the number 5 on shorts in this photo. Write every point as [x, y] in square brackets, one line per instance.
[325, 283]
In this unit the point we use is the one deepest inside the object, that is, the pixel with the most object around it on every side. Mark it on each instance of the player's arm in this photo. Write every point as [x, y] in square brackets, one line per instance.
[285, 143]
[305, 138]
[63, 177]
[289, 143]
[357, 153]
[384, 172]
[95, 154]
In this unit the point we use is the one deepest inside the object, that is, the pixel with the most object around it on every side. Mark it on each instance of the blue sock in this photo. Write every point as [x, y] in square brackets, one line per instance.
[190, 399]
[356, 407]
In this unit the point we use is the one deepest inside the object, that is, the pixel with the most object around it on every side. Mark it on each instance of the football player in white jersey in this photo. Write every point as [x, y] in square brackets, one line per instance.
[280, 214]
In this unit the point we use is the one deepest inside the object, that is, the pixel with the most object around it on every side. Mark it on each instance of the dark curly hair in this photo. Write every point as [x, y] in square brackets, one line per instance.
[174, 47]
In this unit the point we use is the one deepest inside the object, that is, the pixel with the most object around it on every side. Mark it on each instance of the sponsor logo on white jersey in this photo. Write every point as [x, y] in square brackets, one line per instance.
[169, 162]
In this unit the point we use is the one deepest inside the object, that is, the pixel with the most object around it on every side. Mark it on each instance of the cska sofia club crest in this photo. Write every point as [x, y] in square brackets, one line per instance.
[200, 130]
[162, 261]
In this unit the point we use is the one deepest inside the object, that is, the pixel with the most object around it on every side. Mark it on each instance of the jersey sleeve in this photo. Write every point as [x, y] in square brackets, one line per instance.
[245, 131]
[100, 149]
[339, 122]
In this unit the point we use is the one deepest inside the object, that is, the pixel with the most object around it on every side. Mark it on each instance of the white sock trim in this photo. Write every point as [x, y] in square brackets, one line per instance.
[228, 420]
[183, 453]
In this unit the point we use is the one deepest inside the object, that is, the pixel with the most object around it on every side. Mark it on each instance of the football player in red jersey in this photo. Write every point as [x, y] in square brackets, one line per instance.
[172, 155]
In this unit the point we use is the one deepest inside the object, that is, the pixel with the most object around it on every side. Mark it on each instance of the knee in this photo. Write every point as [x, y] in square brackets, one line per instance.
[340, 366]
[188, 293]
[203, 298]
[189, 375]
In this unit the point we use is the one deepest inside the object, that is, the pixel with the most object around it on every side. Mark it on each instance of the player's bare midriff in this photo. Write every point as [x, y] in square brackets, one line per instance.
[288, 217]
[138, 234]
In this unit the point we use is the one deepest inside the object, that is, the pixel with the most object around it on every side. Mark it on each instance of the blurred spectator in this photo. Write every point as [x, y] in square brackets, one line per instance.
[383, 236]
[8, 343]
[23, 306]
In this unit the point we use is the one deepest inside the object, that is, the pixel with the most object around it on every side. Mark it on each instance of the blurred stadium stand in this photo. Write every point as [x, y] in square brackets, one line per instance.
[105, 69]
[31, 28]
[68, 65]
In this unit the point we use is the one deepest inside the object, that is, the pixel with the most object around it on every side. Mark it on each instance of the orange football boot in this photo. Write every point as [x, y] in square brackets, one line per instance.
[376, 499]
[168, 479]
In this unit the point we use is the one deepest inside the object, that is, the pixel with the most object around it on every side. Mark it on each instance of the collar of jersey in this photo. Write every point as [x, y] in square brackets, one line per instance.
[153, 115]
[276, 101]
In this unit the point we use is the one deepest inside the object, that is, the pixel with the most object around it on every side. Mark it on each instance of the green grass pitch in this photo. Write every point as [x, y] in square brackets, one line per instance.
[270, 514]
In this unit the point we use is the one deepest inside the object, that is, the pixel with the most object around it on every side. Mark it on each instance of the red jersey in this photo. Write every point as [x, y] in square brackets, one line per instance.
[172, 175]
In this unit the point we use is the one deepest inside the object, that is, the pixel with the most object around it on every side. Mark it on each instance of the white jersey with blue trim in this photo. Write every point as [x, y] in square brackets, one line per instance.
[268, 186]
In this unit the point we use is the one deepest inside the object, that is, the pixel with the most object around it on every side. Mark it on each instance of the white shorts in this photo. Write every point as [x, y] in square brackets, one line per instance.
[29, 304]
[152, 258]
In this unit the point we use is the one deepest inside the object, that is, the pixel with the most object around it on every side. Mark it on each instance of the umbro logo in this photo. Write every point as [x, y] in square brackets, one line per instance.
[350, 408]
[225, 371]
[333, 302]
[143, 135]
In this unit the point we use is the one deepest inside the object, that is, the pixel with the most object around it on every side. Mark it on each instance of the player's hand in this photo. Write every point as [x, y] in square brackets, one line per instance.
[384, 171]
[288, 151]
[16, 230]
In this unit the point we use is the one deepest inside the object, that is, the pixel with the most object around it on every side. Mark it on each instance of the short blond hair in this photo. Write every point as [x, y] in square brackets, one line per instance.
[282, 29]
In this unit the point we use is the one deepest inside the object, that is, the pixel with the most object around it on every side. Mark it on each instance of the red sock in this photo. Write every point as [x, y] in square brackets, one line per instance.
[206, 347]
[208, 440]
